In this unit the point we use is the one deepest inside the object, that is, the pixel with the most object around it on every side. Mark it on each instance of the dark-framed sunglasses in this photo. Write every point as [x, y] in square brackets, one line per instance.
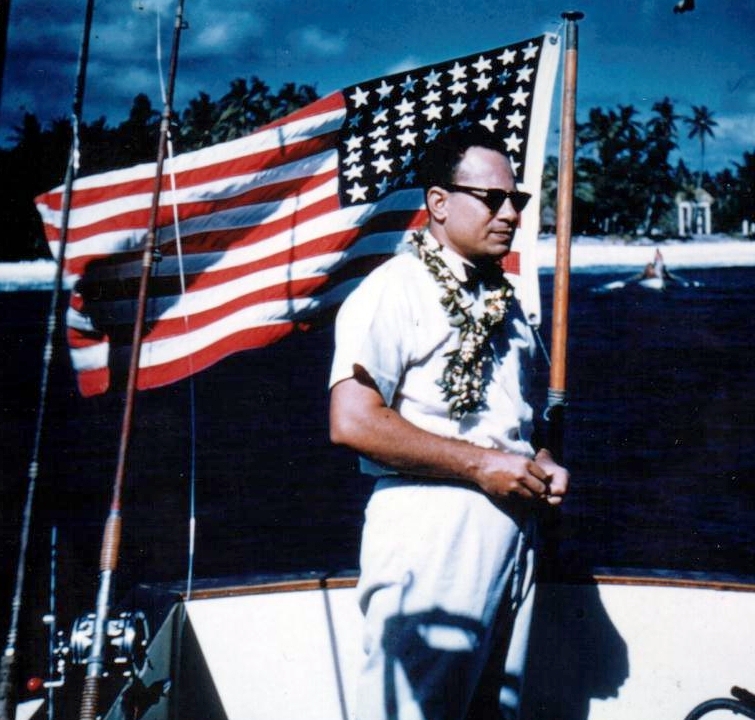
[494, 197]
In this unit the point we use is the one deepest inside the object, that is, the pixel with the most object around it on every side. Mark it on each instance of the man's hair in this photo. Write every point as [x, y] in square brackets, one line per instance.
[443, 155]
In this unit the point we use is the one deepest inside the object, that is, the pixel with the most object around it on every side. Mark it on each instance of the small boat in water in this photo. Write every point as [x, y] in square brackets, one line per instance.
[654, 276]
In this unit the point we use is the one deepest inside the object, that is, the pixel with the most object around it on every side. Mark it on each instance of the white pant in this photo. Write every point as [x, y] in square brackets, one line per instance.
[447, 591]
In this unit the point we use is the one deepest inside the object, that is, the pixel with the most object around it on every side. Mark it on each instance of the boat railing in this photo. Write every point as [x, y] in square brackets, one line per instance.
[742, 702]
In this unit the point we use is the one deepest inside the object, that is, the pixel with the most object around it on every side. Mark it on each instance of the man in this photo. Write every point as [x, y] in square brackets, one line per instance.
[429, 386]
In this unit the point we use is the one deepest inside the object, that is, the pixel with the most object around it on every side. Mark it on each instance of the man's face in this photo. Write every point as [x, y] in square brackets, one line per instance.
[470, 228]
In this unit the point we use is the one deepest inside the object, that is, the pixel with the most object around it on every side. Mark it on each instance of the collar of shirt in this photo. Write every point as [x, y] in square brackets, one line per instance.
[472, 276]
[461, 268]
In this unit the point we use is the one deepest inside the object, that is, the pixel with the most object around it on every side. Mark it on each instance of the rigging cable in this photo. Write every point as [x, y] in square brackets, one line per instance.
[543, 346]
[192, 396]
[8, 662]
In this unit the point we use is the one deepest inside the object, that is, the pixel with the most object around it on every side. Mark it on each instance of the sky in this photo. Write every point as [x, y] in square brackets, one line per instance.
[632, 52]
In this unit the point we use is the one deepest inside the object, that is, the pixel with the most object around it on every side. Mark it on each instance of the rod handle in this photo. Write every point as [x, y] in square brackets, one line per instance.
[90, 698]
[111, 542]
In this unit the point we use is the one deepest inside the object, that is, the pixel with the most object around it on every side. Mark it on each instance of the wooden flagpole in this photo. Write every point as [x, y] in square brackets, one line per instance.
[559, 334]
[95, 664]
[8, 661]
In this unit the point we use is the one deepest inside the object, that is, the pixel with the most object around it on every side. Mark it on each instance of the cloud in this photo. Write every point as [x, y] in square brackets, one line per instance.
[213, 36]
[737, 130]
[224, 34]
[408, 63]
[123, 86]
[312, 40]
[57, 39]
[133, 36]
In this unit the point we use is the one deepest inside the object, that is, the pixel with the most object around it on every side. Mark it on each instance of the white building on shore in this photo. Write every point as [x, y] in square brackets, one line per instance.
[694, 214]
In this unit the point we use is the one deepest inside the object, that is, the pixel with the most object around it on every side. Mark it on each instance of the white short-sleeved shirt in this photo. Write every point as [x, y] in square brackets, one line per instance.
[394, 327]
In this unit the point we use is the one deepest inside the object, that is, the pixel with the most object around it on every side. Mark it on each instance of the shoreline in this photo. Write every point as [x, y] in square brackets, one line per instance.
[588, 254]
[597, 255]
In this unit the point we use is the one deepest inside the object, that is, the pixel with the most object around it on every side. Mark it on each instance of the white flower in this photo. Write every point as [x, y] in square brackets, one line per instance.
[463, 382]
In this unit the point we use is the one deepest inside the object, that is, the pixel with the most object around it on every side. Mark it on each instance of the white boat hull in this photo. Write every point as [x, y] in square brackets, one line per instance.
[653, 283]
[618, 649]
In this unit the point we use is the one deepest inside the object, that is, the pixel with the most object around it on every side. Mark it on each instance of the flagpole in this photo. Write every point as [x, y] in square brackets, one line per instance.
[557, 384]
[8, 662]
[95, 664]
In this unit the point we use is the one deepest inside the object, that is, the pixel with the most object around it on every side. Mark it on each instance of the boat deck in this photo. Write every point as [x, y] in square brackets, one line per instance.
[606, 647]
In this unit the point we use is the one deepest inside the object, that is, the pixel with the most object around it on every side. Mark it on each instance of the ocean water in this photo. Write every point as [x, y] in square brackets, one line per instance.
[659, 439]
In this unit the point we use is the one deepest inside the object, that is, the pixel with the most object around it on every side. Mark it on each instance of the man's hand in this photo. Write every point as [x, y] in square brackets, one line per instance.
[505, 474]
[359, 419]
[559, 476]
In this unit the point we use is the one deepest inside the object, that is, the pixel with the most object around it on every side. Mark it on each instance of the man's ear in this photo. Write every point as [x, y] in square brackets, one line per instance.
[436, 199]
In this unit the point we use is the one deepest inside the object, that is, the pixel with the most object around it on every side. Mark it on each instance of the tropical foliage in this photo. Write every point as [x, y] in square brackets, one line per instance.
[628, 173]
[628, 170]
[701, 124]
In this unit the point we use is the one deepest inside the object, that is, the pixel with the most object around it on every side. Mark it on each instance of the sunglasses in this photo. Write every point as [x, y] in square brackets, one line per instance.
[494, 197]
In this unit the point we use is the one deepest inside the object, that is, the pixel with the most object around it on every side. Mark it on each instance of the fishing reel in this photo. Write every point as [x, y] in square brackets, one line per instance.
[125, 647]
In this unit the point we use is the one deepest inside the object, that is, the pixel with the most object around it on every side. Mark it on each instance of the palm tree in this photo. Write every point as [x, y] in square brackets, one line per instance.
[611, 145]
[701, 124]
[197, 123]
[244, 108]
[660, 141]
[292, 97]
[663, 123]
[137, 137]
[630, 129]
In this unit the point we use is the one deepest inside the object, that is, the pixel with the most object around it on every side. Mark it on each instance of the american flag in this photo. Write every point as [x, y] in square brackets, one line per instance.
[264, 235]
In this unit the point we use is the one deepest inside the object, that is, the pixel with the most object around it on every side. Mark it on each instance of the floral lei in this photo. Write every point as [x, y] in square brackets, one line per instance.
[464, 379]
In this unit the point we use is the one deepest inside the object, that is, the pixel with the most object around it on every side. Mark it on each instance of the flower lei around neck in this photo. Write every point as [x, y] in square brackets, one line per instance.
[464, 379]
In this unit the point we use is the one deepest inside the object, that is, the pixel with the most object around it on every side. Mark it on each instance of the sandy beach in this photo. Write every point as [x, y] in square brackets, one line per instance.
[587, 254]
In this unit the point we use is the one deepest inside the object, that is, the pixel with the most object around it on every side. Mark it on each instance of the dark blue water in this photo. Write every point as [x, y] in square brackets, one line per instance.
[659, 440]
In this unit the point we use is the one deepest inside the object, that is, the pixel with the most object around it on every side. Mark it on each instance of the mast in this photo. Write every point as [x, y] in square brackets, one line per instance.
[557, 384]
[8, 662]
[95, 663]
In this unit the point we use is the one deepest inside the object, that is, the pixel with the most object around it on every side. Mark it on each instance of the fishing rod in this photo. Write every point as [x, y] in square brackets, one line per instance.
[52, 622]
[560, 321]
[8, 663]
[95, 661]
